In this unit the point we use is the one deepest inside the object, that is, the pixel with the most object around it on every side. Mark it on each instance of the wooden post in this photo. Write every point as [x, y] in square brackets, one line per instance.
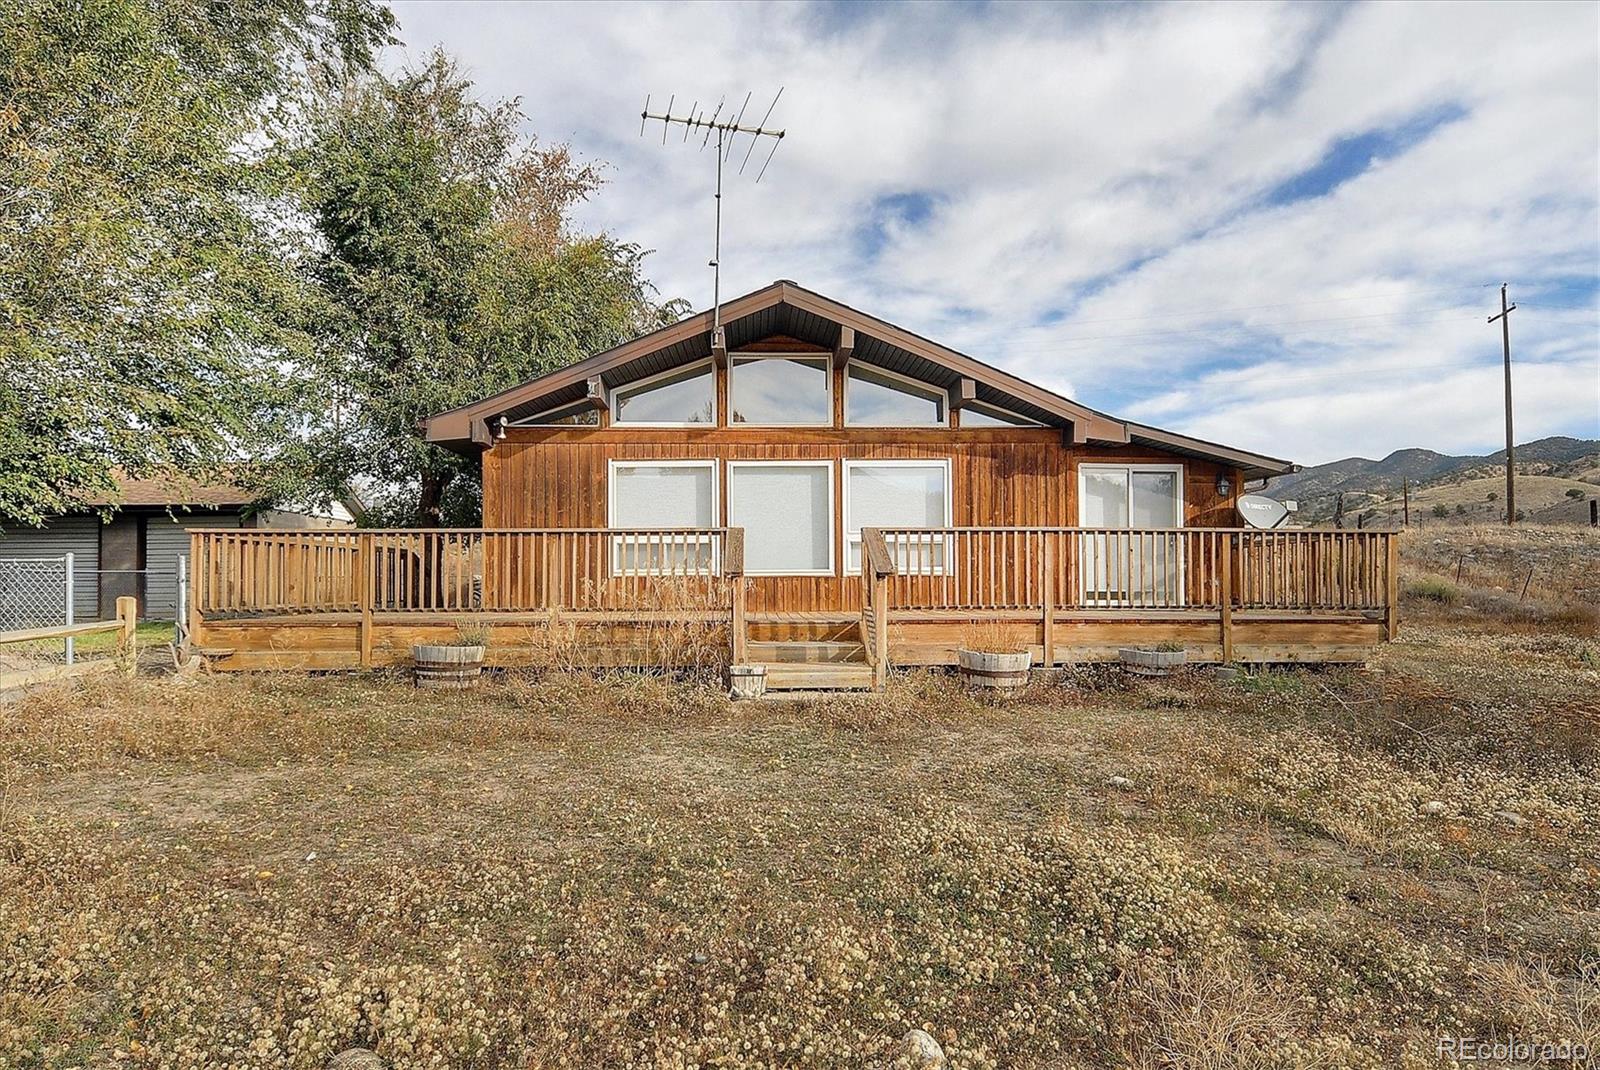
[880, 631]
[127, 633]
[877, 566]
[1048, 565]
[199, 580]
[733, 570]
[1391, 609]
[367, 572]
[1225, 602]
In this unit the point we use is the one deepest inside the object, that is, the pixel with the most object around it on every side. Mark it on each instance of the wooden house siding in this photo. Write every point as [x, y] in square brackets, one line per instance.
[1000, 477]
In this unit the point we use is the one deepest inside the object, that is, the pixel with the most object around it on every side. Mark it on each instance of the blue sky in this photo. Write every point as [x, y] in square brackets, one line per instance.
[1278, 226]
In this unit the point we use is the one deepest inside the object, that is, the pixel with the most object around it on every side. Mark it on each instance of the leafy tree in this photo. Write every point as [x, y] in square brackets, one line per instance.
[450, 270]
[146, 301]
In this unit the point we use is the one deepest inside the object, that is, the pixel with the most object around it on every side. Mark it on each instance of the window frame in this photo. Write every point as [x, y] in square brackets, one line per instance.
[941, 395]
[615, 400]
[536, 418]
[826, 360]
[833, 549]
[991, 411]
[1130, 468]
[930, 569]
[614, 558]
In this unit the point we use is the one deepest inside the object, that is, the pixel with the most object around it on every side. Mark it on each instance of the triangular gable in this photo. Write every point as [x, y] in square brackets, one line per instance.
[787, 309]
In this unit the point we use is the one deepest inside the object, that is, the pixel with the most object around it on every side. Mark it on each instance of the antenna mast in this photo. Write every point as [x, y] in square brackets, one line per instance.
[726, 129]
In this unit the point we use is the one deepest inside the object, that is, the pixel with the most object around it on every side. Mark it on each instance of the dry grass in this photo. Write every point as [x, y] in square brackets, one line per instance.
[558, 870]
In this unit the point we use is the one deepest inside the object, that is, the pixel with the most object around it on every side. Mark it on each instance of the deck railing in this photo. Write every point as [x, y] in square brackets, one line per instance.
[455, 570]
[1139, 569]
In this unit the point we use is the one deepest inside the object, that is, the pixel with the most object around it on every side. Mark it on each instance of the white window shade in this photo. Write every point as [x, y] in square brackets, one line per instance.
[787, 515]
[898, 495]
[663, 496]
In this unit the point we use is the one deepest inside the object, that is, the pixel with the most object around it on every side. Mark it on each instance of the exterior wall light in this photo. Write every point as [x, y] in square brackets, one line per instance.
[1224, 486]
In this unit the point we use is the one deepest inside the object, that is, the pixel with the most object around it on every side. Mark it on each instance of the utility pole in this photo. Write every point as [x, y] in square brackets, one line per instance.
[1405, 490]
[1511, 458]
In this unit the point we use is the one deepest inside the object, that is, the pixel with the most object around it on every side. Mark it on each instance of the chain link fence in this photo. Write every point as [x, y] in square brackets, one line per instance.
[35, 592]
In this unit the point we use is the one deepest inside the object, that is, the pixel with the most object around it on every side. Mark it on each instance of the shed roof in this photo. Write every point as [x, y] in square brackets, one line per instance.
[785, 308]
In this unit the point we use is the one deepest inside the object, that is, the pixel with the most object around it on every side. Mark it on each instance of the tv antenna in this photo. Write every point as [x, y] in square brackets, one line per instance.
[726, 130]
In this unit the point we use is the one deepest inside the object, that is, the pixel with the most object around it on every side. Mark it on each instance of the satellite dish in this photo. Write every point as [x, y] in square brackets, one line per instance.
[1260, 511]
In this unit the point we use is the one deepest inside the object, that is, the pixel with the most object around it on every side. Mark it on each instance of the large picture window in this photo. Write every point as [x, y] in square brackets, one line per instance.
[662, 494]
[876, 398]
[898, 494]
[786, 510]
[672, 399]
[781, 391]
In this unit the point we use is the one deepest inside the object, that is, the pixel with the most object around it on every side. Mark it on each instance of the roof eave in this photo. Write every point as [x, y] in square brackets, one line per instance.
[1251, 465]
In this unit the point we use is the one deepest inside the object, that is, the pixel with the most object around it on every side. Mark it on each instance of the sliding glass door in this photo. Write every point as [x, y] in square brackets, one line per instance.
[1128, 563]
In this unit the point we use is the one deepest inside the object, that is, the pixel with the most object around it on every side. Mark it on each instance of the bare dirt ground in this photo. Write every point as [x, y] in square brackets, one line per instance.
[262, 871]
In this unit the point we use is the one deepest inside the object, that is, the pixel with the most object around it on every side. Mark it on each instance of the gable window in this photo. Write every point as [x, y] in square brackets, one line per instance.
[662, 494]
[672, 399]
[781, 390]
[1137, 567]
[898, 494]
[877, 398]
[580, 415]
[786, 510]
[977, 414]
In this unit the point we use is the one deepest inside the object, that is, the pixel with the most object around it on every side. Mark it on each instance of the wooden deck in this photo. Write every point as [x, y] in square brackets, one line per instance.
[349, 600]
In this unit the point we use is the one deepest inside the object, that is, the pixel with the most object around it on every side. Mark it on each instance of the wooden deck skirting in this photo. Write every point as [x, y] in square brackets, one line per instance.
[307, 599]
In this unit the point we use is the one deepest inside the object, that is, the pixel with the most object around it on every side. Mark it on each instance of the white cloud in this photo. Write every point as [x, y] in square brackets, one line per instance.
[1095, 179]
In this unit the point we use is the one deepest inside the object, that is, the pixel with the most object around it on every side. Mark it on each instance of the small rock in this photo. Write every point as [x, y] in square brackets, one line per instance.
[312, 857]
[1121, 782]
[1512, 818]
[356, 1059]
[1432, 808]
[922, 1052]
[699, 958]
[1227, 673]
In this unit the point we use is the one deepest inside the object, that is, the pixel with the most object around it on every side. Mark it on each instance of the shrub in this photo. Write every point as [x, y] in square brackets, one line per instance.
[1441, 510]
[1574, 492]
[1492, 497]
[1461, 510]
[1434, 589]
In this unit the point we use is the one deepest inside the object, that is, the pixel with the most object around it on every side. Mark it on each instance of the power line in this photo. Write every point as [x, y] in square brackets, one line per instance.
[1289, 325]
[1286, 304]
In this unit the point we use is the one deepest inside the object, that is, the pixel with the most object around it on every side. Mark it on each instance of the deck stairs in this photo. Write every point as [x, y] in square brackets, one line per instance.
[808, 665]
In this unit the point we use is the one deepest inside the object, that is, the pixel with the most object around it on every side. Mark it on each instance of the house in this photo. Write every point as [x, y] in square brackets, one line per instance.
[129, 542]
[872, 493]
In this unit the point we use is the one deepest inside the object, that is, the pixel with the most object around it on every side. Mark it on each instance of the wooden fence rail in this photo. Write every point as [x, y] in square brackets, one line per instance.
[124, 624]
[451, 570]
[1139, 569]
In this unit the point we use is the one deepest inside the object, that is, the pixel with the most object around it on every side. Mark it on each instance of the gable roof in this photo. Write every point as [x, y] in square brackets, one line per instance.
[171, 490]
[785, 308]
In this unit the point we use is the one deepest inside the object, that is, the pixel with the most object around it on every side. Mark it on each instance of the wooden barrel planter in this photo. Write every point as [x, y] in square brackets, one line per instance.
[747, 681]
[1001, 671]
[1152, 662]
[447, 668]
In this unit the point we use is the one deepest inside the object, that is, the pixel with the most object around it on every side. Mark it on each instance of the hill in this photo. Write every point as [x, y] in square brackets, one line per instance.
[1555, 476]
